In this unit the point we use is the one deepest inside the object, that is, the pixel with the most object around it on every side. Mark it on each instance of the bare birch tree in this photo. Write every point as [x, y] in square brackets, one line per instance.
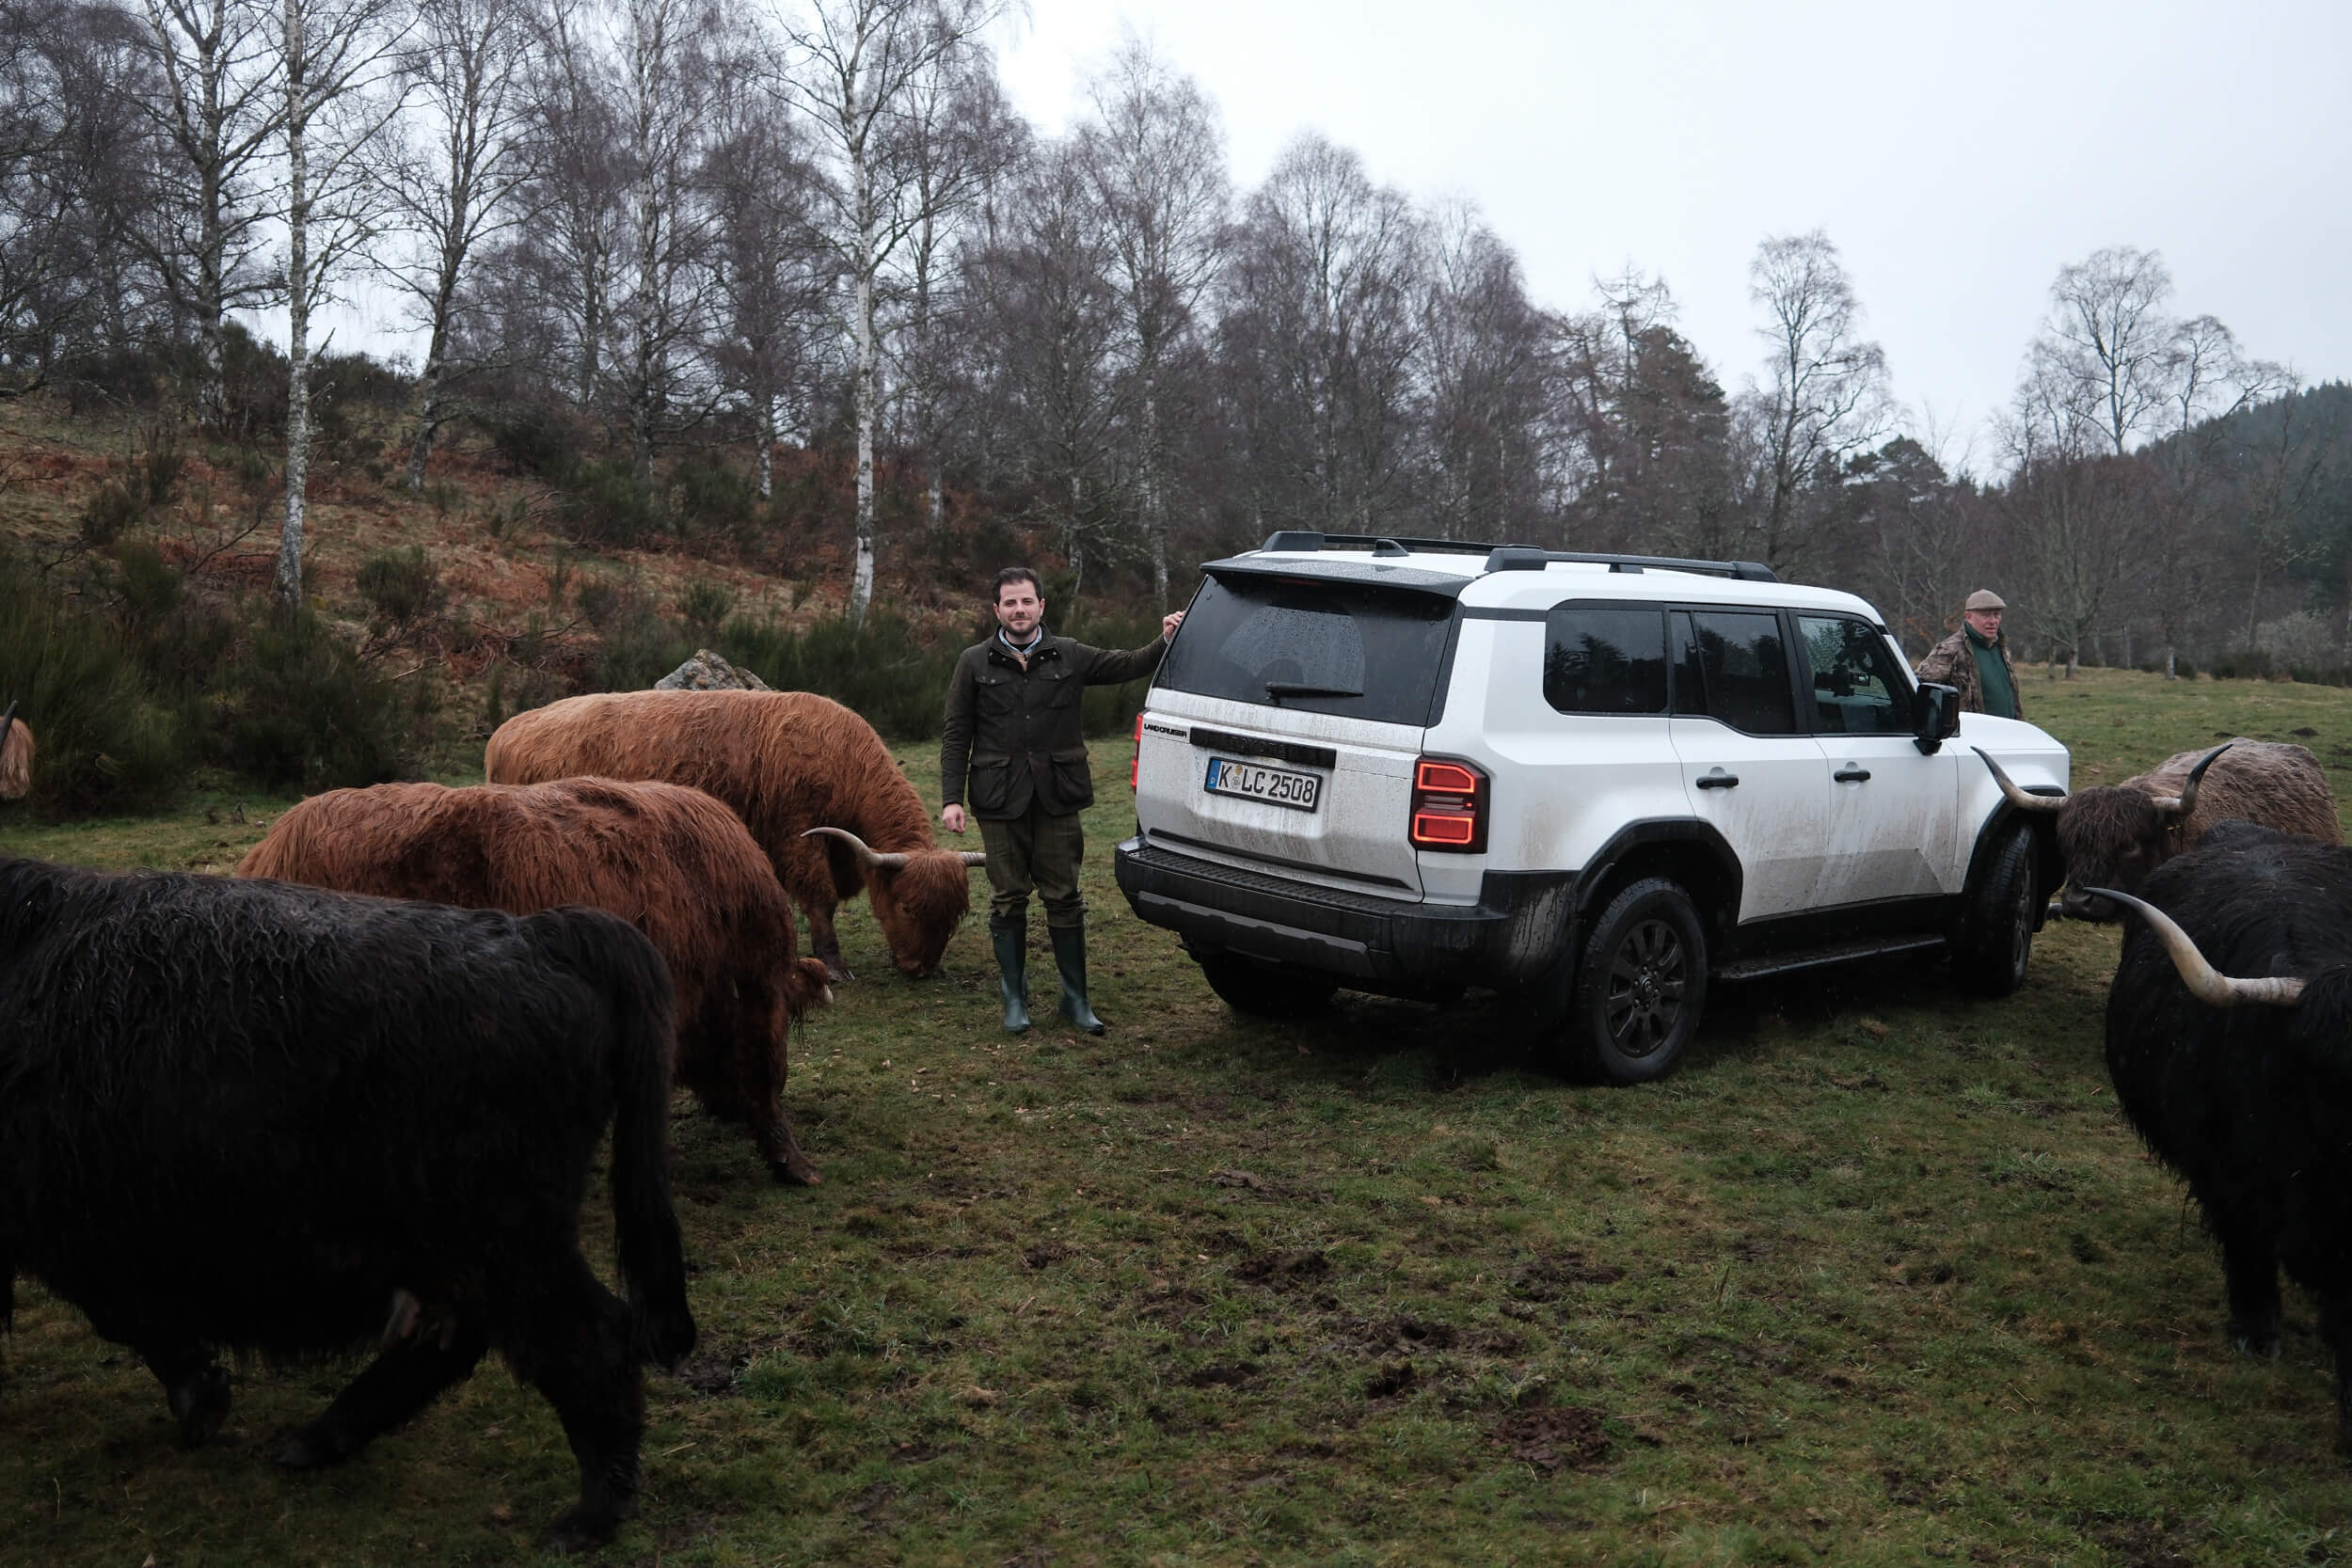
[1156, 155]
[337, 66]
[454, 186]
[1319, 340]
[1826, 395]
[2205, 380]
[860, 69]
[221, 105]
[773, 272]
[670, 66]
[2108, 339]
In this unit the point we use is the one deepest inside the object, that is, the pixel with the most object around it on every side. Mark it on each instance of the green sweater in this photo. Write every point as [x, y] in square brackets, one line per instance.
[1993, 682]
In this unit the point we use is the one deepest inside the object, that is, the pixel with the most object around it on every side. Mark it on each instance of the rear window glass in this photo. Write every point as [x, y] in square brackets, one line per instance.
[1734, 667]
[1605, 660]
[1314, 647]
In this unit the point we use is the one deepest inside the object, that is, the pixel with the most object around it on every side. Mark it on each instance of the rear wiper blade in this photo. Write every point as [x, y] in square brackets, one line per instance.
[1279, 690]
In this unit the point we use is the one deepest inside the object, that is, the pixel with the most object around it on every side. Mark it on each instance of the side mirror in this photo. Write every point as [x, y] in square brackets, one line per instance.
[1938, 715]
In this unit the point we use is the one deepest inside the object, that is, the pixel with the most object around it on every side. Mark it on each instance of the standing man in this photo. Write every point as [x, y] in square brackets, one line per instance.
[1012, 746]
[1974, 659]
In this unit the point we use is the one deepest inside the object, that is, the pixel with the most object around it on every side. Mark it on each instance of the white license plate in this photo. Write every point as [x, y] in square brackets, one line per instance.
[1279, 787]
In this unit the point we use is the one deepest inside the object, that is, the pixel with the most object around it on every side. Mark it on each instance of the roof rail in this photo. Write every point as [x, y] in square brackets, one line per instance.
[1512, 558]
[1306, 539]
[1521, 557]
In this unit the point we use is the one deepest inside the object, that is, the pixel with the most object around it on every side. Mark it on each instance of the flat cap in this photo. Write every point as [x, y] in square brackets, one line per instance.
[1984, 598]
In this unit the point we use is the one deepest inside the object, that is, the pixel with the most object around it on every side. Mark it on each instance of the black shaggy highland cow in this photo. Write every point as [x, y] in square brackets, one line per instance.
[2244, 1085]
[251, 1116]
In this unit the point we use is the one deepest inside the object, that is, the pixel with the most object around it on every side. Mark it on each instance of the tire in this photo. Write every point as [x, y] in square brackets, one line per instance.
[1266, 991]
[1640, 985]
[1997, 934]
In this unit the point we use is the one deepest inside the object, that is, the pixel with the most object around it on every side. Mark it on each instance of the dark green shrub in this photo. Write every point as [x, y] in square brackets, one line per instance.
[603, 505]
[640, 645]
[399, 585]
[150, 586]
[303, 710]
[533, 442]
[713, 493]
[158, 473]
[103, 743]
[704, 607]
[106, 513]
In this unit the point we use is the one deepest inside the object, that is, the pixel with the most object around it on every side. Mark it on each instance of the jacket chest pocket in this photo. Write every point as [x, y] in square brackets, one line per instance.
[998, 698]
[1058, 689]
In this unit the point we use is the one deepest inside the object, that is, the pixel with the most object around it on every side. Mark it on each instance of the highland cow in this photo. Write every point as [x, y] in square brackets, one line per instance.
[249, 1116]
[671, 862]
[811, 780]
[2113, 835]
[2229, 1027]
[16, 756]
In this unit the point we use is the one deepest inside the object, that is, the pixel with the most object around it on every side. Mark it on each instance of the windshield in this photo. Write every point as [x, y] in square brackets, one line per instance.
[1313, 646]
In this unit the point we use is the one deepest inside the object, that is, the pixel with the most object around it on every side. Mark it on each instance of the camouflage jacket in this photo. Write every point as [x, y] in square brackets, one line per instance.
[1952, 662]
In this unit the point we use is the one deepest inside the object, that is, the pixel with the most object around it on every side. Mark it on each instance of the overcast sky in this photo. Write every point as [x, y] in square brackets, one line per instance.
[1957, 154]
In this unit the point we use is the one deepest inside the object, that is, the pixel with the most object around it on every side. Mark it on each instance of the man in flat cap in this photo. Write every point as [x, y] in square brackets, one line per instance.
[1974, 659]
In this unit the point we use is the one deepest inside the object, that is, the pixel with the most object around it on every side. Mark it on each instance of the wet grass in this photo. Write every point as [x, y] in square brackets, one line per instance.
[1879, 1277]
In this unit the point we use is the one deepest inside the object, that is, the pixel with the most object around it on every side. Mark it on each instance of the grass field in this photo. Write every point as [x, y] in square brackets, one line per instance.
[1879, 1277]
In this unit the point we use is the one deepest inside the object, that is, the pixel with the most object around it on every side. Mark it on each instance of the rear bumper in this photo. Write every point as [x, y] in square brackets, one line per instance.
[1517, 932]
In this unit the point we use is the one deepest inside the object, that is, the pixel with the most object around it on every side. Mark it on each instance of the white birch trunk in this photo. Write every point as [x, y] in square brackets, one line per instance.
[287, 587]
[766, 445]
[868, 396]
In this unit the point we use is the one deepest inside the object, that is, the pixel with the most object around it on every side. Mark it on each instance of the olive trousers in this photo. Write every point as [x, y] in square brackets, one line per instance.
[1034, 853]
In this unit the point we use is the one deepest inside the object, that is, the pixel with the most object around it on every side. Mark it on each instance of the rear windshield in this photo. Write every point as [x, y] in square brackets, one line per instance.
[1314, 647]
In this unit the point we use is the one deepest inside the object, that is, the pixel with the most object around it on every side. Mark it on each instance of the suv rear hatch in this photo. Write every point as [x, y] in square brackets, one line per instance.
[1282, 729]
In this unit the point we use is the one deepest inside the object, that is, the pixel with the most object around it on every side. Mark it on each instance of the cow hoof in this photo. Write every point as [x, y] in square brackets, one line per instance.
[2257, 1340]
[796, 1173]
[307, 1448]
[201, 1404]
[838, 973]
[578, 1529]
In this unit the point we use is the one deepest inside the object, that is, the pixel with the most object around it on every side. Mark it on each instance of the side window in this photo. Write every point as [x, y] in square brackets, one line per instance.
[1856, 688]
[1733, 665]
[1603, 659]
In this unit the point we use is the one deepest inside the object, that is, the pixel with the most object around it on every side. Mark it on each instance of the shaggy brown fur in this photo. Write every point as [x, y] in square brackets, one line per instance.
[16, 759]
[786, 761]
[2113, 835]
[673, 862]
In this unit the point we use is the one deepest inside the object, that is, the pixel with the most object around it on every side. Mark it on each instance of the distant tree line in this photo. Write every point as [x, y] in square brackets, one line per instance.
[674, 224]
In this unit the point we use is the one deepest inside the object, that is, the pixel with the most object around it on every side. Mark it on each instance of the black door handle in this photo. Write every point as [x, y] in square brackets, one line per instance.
[1719, 780]
[1851, 775]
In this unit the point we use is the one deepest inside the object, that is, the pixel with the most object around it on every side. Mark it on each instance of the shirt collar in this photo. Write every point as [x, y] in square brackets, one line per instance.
[1024, 649]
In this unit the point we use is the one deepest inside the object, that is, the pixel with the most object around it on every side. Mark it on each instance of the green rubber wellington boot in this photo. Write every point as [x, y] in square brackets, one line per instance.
[1012, 973]
[1070, 957]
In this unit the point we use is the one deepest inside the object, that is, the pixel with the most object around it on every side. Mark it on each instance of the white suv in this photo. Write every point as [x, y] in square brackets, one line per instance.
[1595, 784]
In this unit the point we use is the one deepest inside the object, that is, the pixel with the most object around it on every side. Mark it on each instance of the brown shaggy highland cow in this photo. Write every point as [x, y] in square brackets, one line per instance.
[789, 763]
[16, 756]
[2113, 835]
[673, 862]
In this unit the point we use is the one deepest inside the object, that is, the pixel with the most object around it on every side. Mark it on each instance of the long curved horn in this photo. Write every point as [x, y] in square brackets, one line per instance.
[972, 856]
[871, 859]
[6, 720]
[2186, 801]
[2206, 983]
[2017, 796]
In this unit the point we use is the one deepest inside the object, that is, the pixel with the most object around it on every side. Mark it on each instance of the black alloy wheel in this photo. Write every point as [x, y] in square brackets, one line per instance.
[1642, 986]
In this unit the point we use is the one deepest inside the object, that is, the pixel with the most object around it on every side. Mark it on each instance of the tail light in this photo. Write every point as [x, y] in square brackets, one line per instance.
[1135, 766]
[1449, 807]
